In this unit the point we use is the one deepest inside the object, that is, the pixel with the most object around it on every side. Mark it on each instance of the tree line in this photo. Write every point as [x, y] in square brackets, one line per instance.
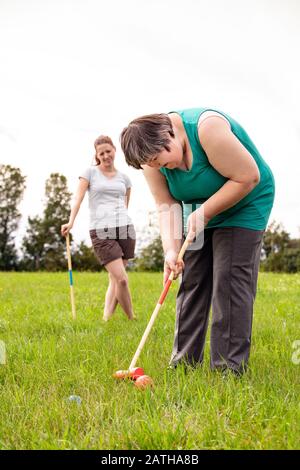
[43, 247]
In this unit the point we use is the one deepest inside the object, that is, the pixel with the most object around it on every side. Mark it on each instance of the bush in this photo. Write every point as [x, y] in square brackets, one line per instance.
[287, 261]
[151, 257]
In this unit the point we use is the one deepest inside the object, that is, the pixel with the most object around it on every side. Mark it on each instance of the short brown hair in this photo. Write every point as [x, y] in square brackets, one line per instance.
[145, 137]
[102, 139]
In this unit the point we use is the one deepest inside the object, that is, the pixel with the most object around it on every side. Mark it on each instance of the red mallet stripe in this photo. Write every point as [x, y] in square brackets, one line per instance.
[164, 292]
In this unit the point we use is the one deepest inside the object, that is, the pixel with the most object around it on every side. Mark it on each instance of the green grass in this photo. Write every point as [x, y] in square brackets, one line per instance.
[50, 357]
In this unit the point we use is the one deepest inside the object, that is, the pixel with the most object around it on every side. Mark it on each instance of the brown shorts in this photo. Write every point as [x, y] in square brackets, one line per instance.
[113, 242]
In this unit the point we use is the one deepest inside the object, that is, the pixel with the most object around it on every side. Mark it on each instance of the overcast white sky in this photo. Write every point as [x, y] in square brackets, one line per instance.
[71, 70]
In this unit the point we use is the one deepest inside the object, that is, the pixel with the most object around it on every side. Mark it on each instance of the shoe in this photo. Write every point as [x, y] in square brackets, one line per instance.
[172, 367]
[227, 372]
[178, 366]
[184, 366]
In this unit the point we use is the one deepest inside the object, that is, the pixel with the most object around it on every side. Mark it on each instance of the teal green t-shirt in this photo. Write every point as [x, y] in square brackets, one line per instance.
[193, 187]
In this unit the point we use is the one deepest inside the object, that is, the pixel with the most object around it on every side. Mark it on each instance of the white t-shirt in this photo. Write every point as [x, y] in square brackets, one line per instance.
[107, 198]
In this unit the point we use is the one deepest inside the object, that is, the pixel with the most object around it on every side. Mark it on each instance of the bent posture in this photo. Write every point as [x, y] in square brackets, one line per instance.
[202, 161]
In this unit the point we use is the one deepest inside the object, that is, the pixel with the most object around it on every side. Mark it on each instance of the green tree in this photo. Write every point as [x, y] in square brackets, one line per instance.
[276, 239]
[84, 259]
[286, 261]
[294, 243]
[43, 245]
[151, 257]
[12, 186]
[291, 260]
[282, 254]
[33, 245]
[57, 210]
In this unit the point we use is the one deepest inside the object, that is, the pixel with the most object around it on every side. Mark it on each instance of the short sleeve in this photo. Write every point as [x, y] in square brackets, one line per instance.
[127, 180]
[86, 174]
[208, 114]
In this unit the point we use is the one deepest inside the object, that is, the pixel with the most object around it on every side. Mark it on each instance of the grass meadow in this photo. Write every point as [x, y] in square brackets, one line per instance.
[50, 357]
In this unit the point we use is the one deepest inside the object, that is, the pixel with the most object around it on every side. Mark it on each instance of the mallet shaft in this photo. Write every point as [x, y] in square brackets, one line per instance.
[157, 308]
[70, 277]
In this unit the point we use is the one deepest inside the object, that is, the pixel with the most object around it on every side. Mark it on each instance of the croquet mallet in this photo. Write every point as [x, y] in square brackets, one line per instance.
[134, 372]
[71, 277]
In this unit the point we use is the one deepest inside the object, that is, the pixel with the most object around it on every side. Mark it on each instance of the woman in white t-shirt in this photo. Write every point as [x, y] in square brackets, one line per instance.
[111, 229]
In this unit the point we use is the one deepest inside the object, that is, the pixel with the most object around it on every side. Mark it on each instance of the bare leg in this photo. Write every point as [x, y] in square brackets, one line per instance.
[125, 263]
[116, 269]
[111, 301]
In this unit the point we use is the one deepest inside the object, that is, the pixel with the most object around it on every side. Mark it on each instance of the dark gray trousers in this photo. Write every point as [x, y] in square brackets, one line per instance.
[223, 273]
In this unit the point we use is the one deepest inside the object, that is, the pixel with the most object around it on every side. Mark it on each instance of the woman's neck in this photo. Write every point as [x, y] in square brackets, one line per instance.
[179, 130]
[107, 169]
[180, 133]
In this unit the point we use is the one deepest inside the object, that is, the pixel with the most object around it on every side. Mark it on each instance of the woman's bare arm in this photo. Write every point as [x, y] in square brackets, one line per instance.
[231, 159]
[79, 195]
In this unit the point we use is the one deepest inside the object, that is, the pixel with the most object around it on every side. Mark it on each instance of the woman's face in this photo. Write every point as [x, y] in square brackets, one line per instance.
[168, 159]
[105, 154]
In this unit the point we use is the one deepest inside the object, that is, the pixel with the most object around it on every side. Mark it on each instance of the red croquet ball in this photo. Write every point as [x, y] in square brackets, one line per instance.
[136, 372]
[143, 382]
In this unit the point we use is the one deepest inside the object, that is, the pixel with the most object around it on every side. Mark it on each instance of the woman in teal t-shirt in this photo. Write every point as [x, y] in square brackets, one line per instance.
[202, 167]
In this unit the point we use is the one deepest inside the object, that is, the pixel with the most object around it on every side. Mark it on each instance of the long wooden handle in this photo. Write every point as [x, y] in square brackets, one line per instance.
[71, 277]
[157, 308]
